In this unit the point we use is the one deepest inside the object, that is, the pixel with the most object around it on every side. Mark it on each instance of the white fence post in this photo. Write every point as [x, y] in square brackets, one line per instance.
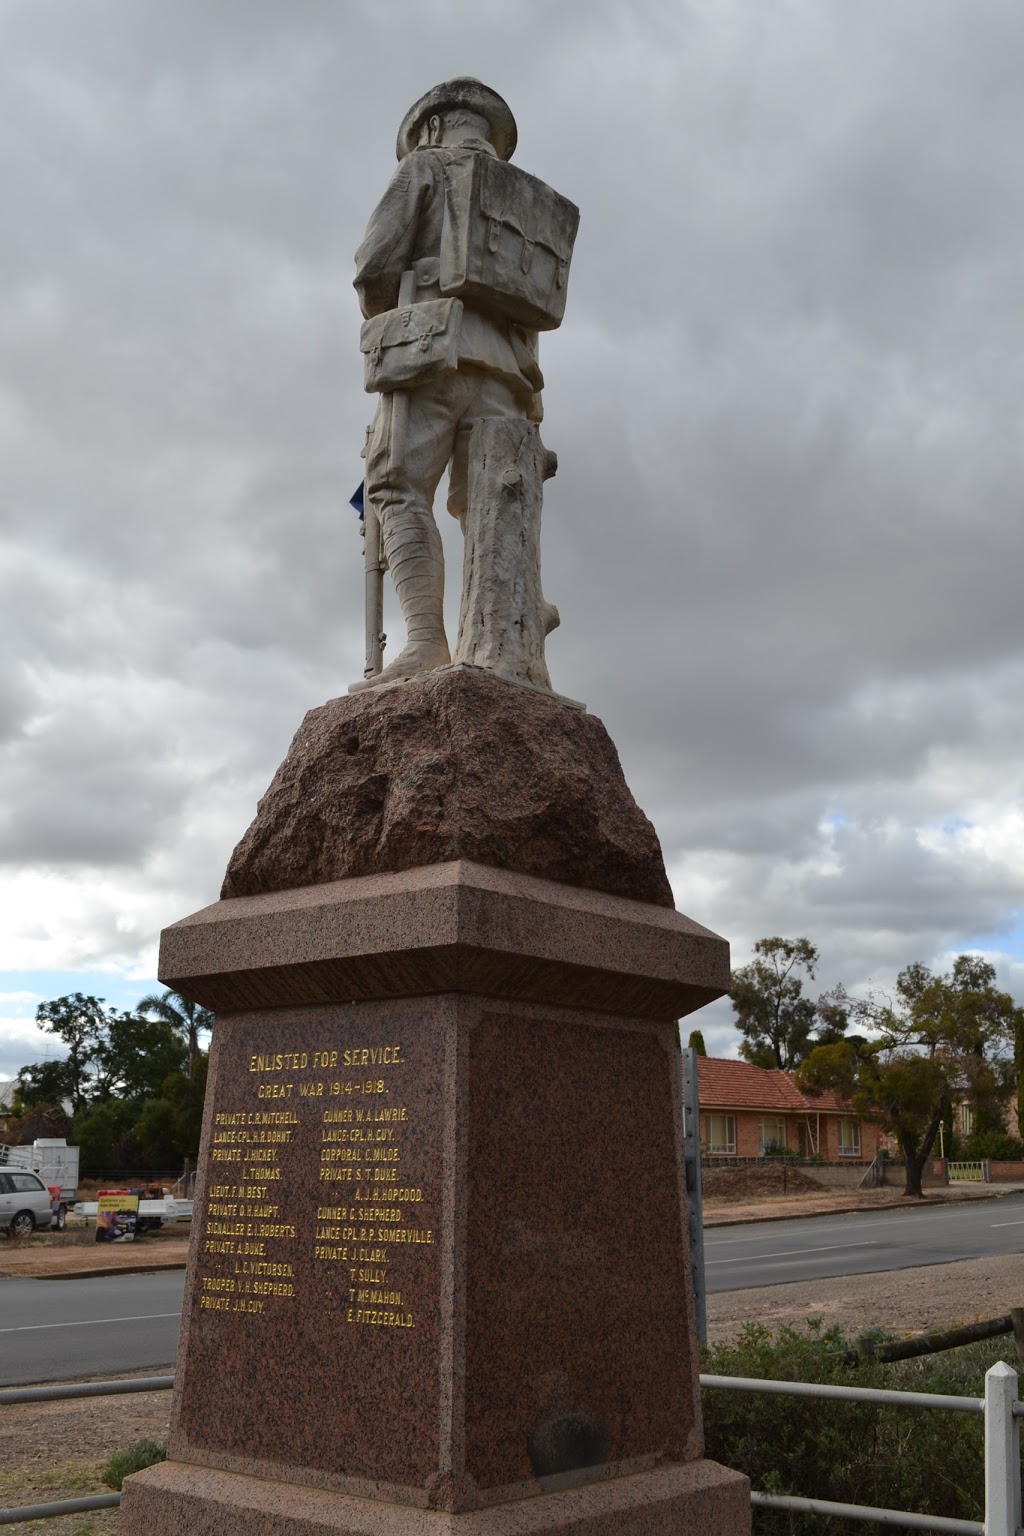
[1002, 1452]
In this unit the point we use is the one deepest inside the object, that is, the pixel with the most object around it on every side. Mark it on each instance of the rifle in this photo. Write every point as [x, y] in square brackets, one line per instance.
[374, 567]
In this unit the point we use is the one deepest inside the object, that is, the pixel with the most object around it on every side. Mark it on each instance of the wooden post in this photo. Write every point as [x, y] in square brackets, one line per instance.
[504, 618]
[1017, 1323]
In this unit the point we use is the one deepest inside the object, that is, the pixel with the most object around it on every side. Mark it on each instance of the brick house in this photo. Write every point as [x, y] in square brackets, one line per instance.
[745, 1110]
[964, 1117]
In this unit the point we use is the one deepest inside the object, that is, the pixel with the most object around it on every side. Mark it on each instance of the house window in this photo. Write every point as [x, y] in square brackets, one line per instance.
[773, 1135]
[721, 1133]
[849, 1138]
[966, 1120]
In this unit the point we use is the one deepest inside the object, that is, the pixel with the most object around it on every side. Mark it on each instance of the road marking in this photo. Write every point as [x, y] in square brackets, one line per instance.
[1008, 1224]
[856, 1224]
[90, 1322]
[787, 1253]
[731, 1242]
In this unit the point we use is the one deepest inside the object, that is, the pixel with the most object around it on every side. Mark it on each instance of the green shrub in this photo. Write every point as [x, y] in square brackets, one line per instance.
[925, 1461]
[996, 1145]
[143, 1453]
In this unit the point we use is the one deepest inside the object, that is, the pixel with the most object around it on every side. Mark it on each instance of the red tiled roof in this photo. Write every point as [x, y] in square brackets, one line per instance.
[738, 1085]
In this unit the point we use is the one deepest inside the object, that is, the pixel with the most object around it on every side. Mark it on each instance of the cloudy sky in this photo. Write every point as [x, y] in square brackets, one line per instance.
[787, 399]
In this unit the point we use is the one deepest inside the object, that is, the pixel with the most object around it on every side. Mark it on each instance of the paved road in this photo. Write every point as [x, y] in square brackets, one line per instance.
[779, 1252]
[54, 1330]
[62, 1330]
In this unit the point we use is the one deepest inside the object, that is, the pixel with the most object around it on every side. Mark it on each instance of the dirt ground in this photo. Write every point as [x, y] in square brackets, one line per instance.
[719, 1212]
[76, 1253]
[33, 1469]
[747, 1182]
[902, 1301]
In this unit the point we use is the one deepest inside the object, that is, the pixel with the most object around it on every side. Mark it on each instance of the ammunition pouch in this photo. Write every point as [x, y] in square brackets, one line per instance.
[411, 345]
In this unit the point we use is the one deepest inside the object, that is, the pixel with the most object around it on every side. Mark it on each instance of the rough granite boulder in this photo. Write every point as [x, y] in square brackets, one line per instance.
[457, 764]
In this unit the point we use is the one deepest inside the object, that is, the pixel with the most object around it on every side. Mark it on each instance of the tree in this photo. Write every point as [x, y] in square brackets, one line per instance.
[943, 1037]
[25, 1119]
[188, 1095]
[136, 1057]
[154, 1131]
[169, 1126]
[80, 1022]
[110, 1055]
[123, 1077]
[696, 1042]
[100, 1129]
[41, 1083]
[184, 1016]
[774, 1016]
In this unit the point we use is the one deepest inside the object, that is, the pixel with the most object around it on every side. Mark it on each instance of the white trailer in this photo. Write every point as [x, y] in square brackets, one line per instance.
[52, 1159]
[152, 1213]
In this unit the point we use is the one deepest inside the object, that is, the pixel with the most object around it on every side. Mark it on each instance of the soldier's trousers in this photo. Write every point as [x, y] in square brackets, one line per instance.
[414, 437]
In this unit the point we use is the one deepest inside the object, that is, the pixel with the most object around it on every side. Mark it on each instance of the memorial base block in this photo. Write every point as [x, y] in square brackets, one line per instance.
[439, 1276]
[697, 1499]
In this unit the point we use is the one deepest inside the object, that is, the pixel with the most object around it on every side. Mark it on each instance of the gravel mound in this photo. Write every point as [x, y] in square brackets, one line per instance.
[727, 1184]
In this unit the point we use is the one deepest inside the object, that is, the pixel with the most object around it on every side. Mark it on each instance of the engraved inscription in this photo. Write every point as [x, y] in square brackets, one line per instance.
[363, 1234]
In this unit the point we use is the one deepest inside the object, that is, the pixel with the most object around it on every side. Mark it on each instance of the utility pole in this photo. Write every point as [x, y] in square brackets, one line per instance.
[694, 1190]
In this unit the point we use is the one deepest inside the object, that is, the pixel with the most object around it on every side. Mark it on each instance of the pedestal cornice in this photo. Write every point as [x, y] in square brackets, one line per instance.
[456, 927]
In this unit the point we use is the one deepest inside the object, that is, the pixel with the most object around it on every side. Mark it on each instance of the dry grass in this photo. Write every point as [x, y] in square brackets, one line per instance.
[52, 1451]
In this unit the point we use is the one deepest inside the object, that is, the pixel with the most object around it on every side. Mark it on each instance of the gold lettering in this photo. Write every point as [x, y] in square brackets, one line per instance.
[372, 1056]
[378, 1318]
[269, 1229]
[283, 1061]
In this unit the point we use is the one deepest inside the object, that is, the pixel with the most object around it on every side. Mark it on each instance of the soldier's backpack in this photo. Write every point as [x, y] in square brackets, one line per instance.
[507, 240]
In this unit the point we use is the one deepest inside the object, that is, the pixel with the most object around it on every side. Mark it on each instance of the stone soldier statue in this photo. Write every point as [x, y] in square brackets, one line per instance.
[464, 259]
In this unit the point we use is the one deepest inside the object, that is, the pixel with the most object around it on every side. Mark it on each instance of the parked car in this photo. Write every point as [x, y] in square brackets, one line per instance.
[25, 1204]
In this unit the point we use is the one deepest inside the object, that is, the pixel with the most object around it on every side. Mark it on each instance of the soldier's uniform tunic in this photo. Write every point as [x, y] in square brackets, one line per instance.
[497, 376]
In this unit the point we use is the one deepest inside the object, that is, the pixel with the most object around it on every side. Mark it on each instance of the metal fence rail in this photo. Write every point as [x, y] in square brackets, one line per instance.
[846, 1394]
[66, 1389]
[1000, 1406]
[1002, 1412]
[64, 1507]
[876, 1516]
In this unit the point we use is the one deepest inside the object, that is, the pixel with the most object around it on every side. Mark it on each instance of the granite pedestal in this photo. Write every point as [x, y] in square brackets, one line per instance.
[439, 1274]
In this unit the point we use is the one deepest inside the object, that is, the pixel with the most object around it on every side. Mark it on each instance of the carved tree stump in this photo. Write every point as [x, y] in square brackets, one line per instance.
[504, 618]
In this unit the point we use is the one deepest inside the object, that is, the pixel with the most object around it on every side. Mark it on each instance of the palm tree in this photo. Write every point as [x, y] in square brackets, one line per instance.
[184, 1016]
